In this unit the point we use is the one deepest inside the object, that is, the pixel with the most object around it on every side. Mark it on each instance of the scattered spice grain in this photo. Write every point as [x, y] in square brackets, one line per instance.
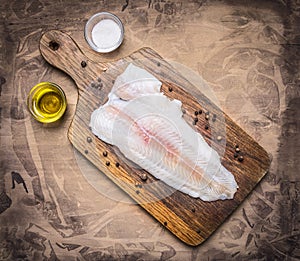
[144, 177]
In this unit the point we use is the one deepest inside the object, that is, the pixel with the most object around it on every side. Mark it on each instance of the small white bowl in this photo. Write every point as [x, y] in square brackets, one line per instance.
[104, 32]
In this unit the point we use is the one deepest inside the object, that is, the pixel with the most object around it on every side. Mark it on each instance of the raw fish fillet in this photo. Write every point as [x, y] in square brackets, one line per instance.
[148, 128]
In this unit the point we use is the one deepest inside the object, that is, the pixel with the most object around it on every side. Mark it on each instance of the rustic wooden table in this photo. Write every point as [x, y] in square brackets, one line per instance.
[248, 53]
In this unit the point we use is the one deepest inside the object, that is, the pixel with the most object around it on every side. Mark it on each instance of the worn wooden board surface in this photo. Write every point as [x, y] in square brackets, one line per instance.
[247, 51]
[191, 220]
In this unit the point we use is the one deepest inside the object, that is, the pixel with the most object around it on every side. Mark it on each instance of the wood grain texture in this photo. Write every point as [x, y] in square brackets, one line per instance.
[191, 220]
[247, 52]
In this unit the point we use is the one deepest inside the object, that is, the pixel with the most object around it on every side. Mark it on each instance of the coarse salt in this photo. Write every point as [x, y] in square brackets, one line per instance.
[106, 34]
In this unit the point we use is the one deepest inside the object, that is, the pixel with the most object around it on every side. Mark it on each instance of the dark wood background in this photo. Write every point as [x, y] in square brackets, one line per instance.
[248, 52]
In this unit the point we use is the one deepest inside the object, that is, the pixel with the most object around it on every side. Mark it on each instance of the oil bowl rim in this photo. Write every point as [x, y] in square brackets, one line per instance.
[39, 117]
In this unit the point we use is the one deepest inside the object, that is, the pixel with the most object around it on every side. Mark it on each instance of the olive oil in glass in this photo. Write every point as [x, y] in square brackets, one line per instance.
[47, 102]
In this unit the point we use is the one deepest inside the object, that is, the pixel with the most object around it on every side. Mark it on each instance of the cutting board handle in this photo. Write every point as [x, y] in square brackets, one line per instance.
[61, 51]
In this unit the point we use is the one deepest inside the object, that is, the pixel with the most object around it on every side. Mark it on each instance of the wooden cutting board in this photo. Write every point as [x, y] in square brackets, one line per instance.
[191, 220]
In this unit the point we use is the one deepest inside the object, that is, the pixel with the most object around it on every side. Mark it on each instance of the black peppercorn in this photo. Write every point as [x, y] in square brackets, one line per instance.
[144, 177]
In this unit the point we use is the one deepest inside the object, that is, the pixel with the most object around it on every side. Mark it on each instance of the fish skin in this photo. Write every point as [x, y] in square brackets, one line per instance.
[134, 83]
[150, 131]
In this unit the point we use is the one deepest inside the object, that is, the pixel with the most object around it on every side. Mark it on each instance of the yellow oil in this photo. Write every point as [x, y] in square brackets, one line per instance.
[47, 102]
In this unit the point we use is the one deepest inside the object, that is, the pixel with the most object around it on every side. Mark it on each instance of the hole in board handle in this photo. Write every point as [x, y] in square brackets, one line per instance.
[53, 45]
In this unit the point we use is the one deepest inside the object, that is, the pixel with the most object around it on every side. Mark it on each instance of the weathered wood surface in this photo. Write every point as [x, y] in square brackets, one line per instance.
[247, 51]
[191, 220]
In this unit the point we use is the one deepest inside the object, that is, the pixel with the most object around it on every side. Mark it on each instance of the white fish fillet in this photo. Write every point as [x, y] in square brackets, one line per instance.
[148, 128]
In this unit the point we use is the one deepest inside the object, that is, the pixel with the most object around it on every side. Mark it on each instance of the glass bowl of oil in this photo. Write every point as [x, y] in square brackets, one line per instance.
[47, 102]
